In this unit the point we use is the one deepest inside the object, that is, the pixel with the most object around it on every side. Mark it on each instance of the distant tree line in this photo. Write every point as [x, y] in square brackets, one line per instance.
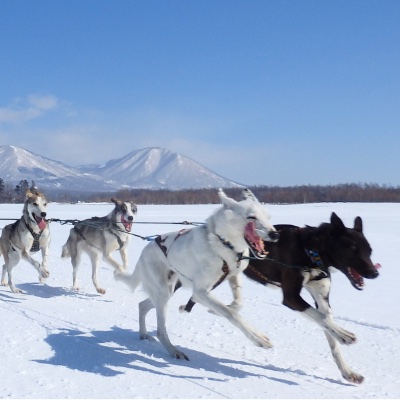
[363, 193]
[352, 192]
[14, 194]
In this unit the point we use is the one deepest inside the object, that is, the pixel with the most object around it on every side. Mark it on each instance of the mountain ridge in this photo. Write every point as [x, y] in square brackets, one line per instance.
[148, 168]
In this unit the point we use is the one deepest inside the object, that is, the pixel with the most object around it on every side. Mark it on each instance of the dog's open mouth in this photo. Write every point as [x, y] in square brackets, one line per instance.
[127, 224]
[355, 278]
[40, 221]
[254, 241]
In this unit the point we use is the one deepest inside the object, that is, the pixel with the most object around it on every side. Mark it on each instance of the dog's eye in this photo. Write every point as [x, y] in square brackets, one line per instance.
[35, 204]
[251, 217]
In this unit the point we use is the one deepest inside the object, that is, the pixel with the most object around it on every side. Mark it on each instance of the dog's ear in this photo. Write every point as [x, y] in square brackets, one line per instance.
[225, 200]
[28, 194]
[358, 225]
[221, 192]
[115, 201]
[337, 225]
[248, 194]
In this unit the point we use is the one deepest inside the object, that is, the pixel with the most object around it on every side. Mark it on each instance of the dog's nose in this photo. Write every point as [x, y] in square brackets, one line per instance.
[130, 218]
[43, 214]
[274, 235]
[373, 274]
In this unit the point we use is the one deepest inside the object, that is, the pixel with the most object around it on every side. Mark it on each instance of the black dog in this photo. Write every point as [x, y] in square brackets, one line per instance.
[301, 258]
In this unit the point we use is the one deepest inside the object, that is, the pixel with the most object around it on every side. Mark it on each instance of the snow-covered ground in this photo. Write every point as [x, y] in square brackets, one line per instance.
[57, 343]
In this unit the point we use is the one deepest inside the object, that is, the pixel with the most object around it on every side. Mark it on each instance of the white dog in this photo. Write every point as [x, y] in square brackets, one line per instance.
[99, 237]
[29, 234]
[199, 258]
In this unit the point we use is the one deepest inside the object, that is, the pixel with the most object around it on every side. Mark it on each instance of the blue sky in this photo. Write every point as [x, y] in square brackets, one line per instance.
[261, 92]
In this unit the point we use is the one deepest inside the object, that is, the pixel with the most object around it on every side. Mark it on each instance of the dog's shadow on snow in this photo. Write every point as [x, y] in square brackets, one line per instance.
[108, 353]
[46, 291]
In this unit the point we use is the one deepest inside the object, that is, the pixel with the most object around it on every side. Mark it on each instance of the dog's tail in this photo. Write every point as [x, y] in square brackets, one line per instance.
[131, 280]
[65, 250]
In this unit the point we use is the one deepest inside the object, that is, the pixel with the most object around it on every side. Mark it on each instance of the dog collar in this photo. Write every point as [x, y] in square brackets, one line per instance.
[315, 258]
[239, 256]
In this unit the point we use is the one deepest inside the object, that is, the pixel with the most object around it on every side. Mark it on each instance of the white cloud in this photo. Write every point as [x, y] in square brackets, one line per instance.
[43, 102]
[25, 109]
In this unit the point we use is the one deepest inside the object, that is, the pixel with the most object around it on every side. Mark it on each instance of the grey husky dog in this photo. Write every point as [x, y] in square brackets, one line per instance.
[199, 258]
[28, 234]
[99, 237]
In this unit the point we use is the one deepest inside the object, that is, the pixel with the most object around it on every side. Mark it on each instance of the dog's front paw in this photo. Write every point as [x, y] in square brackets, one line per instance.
[264, 342]
[43, 273]
[353, 377]
[260, 340]
[235, 306]
[119, 272]
[179, 355]
[146, 336]
[345, 337]
[15, 290]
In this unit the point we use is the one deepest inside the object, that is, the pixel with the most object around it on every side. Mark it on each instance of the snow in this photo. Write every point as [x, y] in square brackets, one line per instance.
[57, 343]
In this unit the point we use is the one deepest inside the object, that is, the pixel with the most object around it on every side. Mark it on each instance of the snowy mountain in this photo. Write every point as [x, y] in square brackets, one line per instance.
[17, 164]
[151, 168]
[155, 168]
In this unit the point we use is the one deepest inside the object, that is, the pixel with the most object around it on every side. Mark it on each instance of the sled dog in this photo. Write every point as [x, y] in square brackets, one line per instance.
[27, 235]
[199, 258]
[301, 258]
[99, 237]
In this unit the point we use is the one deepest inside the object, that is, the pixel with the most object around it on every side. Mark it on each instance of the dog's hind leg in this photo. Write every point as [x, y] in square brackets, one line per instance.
[158, 301]
[12, 260]
[95, 259]
[162, 335]
[160, 289]
[144, 307]
[4, 281]
[75, 255]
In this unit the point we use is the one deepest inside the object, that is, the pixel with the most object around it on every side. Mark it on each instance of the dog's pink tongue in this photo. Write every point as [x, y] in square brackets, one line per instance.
[41, 223]
[377, 265]
[127, 224]
[255, 239]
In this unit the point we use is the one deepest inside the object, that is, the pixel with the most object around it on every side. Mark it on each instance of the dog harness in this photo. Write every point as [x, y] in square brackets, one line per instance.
[36, 236]
[239, 256]
[100, 223]
[225, 268]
